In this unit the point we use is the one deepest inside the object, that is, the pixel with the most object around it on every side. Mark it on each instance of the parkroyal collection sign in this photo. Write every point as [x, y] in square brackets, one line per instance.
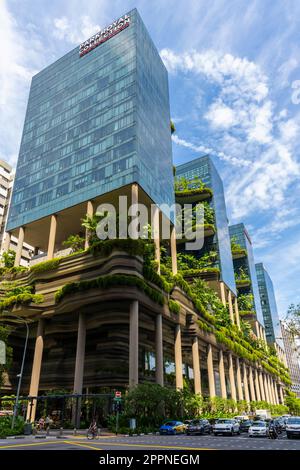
[104, 35]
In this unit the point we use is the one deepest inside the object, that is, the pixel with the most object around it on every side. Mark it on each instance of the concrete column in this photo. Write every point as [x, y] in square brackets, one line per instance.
[52, 236]
[281, 395]
[134, 344]
[257, 330]
[134, 200]
[251, 383]
[231, 377]
[265, 385]
[19, 246]
[210, 369]
[178, 358]
[156, 236]
[223, 297]
[239, 380]
[237, 315]
[173, 250]
[79, 367]
[222, 375]
[159, 362]
[36, 369]
[272, 391]
[245, 381]
[89, 213]
[261, 387]
[276, 392]
[196, 365]
[257, 386]
[6, 243]
[230, 307]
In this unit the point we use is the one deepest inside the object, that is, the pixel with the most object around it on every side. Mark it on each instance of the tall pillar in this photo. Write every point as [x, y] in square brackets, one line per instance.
[239, 380]
[156, 236]
[159, 362]
[19, 246]
[36, 369]
[178, 358]
[257, 386]
[272, 391]
[251, 383]
[196, 365]
[261, 386]
[281, 394]
[223, 297]
[237, 315]
[245, 381]
[257, 330]
[173, 250]
[230, 307]
[6, 243]
[210, 369]
[52, 236]
[79, 368]
[89, 213]
[276, 392]
[222, 375]
[265, 385]
[134, 344]
[231, 377]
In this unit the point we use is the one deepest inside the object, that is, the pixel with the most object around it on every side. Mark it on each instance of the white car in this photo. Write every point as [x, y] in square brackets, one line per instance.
[226, 426]
[293, 427]
[258, 428]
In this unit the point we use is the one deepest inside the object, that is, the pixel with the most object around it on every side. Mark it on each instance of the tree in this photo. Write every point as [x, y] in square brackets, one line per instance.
[8, 258]
[4, 332]
[172, 127]
[292, 320]
[75, 242]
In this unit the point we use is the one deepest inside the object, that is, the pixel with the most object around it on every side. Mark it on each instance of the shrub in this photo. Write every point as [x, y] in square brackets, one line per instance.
[174, 306]
[44, 266]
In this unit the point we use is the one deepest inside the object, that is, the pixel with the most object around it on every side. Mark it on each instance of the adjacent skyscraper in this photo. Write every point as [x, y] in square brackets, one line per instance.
[292, 352]
[268, 305]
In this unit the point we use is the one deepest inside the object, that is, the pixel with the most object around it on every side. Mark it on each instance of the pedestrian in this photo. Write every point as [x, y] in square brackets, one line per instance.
[48, 421]
[41, 423]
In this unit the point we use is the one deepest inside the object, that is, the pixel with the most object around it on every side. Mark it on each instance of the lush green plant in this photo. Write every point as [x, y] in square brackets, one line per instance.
[8, 258]
[174, 306]
[132, 247]
[245, 302]
[242, 275]
[172, 127]
[21, 299]
[75, 242]
[5, 426]
[44, 266]
[4, 333]
[292, 320]
[104, 282]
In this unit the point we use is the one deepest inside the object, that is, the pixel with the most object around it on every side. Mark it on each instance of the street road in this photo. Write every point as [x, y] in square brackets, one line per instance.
[152, 442]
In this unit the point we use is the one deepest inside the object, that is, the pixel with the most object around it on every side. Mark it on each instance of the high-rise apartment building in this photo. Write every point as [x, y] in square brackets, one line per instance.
[97, 120]
[292, 352]
[6, 242]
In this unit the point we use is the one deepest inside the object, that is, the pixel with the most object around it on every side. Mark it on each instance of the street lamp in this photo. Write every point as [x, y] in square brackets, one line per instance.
[20, 375]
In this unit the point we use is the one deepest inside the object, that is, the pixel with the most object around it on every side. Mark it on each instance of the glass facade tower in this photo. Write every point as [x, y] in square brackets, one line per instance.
[95, 123]
[204, 169]
[239, 233]
[268, 305]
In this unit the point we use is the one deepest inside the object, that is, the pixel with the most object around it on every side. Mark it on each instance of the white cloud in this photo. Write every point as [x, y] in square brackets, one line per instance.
[74, 32]
[248, 131]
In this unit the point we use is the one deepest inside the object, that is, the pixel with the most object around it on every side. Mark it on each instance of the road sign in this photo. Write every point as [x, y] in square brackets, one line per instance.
[2, 353]
[118, 394]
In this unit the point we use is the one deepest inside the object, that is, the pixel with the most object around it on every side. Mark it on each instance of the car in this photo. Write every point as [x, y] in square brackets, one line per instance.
[199, 426]
[245, 425]
[226, 426]
[293, 427]
[172, 427]
[259, 429]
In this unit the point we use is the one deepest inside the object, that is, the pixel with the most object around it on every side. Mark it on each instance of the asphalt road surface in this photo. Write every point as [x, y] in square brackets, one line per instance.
[152, 442]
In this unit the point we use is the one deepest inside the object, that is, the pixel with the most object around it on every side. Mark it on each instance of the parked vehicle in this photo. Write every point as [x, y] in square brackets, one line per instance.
[199, 426]
[259, 429]
[293, 427]
[226, 426]
[172, 427]
[245, 425]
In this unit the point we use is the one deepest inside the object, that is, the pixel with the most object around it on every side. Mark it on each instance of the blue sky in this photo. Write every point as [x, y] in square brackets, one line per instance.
[232, 67]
